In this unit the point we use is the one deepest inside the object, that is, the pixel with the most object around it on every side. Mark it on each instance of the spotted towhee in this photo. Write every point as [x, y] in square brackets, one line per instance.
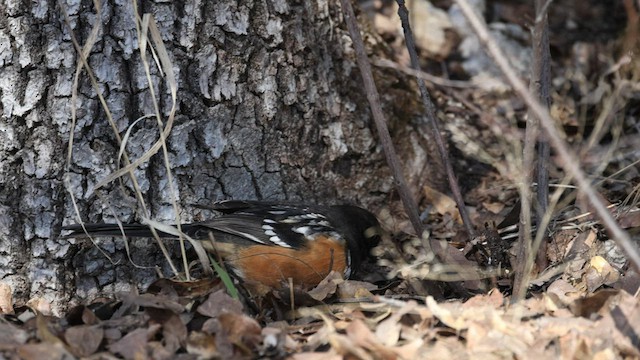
[266, 243]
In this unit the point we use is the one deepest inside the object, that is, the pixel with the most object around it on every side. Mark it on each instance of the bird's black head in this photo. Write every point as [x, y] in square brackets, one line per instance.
[361, 228]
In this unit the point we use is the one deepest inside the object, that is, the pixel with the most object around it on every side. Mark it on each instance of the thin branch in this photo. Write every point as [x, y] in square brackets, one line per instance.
[386, 63]
[542, 69]
[403, 13]
[540, 86]
[379, 118]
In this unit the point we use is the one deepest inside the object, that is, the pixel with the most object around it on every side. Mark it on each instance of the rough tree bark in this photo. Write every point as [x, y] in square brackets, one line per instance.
[270, 106]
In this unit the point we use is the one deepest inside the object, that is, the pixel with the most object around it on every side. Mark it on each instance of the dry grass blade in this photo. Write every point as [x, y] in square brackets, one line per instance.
[167, 67]
[83, 53]
[125, 138]
[146, 29]
[386, 63]
[197, 245]
[148, 26]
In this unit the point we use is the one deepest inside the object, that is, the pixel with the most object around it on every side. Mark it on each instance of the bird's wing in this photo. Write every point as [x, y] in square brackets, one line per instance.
[279, 225]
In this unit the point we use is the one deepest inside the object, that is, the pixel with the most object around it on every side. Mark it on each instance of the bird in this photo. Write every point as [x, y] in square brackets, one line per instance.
[267, 243]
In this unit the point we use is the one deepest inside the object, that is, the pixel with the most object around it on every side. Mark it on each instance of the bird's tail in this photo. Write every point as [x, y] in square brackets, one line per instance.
[130, 230]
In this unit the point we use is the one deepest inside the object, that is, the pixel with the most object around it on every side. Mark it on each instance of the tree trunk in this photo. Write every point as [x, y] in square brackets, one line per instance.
[269, 106]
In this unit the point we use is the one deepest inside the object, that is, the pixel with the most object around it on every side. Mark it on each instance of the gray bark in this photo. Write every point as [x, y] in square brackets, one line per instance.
[270, 106]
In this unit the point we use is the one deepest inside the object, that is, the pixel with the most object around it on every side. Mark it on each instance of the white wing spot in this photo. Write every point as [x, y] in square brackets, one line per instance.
[267, 227]
[276, 240]
[322, 223]
[269, 221]
[270, 233]
[290, 220]
[308, 216]
[304, 230]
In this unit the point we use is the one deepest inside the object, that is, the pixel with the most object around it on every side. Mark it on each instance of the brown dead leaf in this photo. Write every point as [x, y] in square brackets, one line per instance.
[203, 345]
[235, 334]
[549, 304]
[112, 334]
[630, 282]
[621, 319]
[564, 292]
[599, 272]
[44, 333]
[346, 345]
[41, 351]
[11, 335]
[554, 327]
[326, 287]
[494, 207]
[591, 304]
[84, 340]
[446, 314]
[362, 337]
[606, 354]
[630, 219]
[388, 330]
[579, 247]
[573, 346]
[242, 330]
[531, 307]
[174, 331]
[219, 302]
[564, 110]
[493, 298]
[331, 355]
[223, 346]
[352, 289]
[561, 242]
[584, 204]
[445, 348]
[319, 338]
[134, 344]
[130, 300]
[40, 305]
[158, 351]
[81, 315]
[443, 203]
[410, 350]
[476, 336]
[188, 289]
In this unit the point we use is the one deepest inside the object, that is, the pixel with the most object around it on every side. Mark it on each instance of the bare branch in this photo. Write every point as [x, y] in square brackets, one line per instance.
[381, 123]
[431, 116]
